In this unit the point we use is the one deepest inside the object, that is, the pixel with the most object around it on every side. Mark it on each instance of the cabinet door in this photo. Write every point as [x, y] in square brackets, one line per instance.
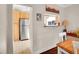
[24, 15]
[16, 16]
[16, 32]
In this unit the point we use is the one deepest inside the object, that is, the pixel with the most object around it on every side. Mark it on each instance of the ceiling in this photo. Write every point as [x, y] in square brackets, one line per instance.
[64, 5]
[21, 8]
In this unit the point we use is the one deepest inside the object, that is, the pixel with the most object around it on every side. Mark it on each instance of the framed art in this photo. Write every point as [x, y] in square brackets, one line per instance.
[38, 16]
[50, 20]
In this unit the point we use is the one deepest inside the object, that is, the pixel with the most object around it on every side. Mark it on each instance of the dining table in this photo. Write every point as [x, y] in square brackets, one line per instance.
[67, 46]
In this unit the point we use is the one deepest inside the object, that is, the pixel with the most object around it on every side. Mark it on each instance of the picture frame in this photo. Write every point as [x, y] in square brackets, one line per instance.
[38, 16]
[50, 20]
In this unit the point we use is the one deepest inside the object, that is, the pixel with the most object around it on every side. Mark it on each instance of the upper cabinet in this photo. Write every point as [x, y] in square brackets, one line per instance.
[19, 14]
[16, 16]
[24, 15]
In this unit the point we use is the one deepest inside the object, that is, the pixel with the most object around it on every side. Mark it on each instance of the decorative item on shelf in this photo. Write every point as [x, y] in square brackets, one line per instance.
[38, 16]
[52, 9]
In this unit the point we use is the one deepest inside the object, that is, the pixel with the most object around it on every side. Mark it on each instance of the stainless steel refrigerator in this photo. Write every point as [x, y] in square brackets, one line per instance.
[24, 29]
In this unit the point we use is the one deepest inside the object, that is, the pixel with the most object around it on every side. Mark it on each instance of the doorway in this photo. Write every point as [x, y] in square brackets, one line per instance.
[22, 29]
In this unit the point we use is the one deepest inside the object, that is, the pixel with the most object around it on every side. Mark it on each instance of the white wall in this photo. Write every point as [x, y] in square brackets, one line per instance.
[72, 14]
[9, 29]
[44, 38]
[5, 29]
[3, 23]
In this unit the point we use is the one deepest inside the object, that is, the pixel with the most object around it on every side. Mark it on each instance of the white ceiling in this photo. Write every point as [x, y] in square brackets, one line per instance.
[64, 5]
[21, 8]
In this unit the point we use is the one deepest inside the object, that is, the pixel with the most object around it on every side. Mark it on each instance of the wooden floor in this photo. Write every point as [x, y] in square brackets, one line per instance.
[50, 51]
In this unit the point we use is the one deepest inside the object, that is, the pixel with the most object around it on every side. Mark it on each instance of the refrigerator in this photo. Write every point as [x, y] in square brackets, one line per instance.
[24, 29]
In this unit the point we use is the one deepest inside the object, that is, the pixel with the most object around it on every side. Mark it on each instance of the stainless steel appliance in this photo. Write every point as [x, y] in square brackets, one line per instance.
[24, 29]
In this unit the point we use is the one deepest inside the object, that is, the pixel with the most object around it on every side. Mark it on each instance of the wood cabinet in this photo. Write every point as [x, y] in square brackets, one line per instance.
[17, 15]
[24, 15]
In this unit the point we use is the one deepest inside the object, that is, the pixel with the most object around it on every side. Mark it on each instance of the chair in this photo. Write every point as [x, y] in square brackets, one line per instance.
[62, 36]
[75, 47]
